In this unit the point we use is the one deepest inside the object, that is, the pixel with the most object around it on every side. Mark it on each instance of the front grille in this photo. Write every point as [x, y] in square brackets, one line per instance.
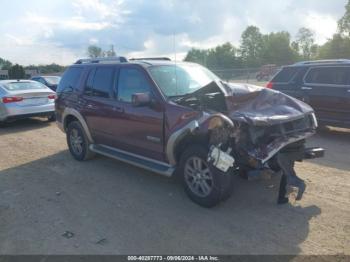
[265, 135]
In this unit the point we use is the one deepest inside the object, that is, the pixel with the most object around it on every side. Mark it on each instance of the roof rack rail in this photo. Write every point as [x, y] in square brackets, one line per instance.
[118, 59]
[326, 61]
[151, 58]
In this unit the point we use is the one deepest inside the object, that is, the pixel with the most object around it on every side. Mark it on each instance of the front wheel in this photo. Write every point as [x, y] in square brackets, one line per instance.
[204, 184]
[78, 142]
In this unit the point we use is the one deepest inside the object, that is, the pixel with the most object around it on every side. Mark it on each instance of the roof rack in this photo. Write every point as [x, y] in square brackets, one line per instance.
[118, 59]
[151, 58]
[327, 61]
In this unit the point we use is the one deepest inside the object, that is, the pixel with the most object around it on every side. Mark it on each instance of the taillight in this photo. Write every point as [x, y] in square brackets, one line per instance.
[52, 96]
[269, 85]
[11, 99]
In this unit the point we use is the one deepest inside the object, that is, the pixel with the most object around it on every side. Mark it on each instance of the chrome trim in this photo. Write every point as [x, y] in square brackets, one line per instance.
[70, 111]
[315, 122]
[169, 172]
[306, 88]
[179, 134]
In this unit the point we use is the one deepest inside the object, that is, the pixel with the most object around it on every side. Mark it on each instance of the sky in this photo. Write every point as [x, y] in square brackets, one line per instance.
[59, 31]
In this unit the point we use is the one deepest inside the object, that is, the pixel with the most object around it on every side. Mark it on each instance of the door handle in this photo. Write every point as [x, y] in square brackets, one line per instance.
[348, 90]
[306, 88]
[90, 106]
[118, 109]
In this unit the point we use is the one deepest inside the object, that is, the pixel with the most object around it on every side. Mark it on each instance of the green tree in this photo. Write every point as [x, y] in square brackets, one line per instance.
[305, 40]
[94, 51]
[5, 64]
[277, 49]
[344, 22]
[16, 72]
[222, 57]
[198, 56]
[335, 48]
[252, 46]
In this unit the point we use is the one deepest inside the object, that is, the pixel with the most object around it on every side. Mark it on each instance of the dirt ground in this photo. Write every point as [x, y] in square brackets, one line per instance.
[52, 204]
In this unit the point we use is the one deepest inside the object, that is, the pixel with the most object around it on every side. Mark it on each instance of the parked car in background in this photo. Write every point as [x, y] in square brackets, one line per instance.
[166, 117]
[50, 81]
[323, 84]
[25, 98]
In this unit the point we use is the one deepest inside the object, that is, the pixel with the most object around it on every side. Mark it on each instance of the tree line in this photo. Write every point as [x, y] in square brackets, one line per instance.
[258, 49]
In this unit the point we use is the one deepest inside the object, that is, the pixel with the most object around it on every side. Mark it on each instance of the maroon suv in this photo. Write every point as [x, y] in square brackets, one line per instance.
[179, 118]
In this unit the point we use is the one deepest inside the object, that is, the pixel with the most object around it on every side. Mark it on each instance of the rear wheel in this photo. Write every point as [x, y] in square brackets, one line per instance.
[204, 184]
[77, 142]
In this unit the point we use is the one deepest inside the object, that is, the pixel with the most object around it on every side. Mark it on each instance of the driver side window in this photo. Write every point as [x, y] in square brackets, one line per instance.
[131, 81]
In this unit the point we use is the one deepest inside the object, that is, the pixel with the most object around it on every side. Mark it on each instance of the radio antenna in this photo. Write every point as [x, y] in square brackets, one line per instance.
[175, 61]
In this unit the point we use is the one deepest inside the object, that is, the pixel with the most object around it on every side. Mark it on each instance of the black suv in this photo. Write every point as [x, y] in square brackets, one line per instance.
[323, 84]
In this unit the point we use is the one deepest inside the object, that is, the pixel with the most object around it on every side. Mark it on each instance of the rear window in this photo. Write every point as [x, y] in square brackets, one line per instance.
[285, 75]
[52, 80]
[18, 86]
[70, 80]
[329, 76]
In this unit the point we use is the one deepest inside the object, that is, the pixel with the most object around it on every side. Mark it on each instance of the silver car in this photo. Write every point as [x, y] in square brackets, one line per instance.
[25, 98]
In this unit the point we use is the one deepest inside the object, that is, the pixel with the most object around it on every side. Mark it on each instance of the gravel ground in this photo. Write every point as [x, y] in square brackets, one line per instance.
[52, 204]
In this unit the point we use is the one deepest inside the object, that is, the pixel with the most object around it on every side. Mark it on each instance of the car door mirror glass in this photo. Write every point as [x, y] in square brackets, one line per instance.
[141, 99]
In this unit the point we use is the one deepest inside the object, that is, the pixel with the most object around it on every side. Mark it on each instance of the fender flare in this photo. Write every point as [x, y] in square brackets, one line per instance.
[71, 111]
[191, 127]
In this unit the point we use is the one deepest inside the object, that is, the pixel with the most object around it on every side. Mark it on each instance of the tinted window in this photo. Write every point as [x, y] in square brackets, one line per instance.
[329, 75]
[131, 81]
[17, 86]
[102, 82]
[285, 75]
[70, 79]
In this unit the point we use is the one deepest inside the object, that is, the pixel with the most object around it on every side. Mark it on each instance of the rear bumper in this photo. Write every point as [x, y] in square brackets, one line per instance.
[17, 117]
[18, 112]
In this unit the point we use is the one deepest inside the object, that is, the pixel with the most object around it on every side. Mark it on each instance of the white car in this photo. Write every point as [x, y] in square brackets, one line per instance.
[25, 98]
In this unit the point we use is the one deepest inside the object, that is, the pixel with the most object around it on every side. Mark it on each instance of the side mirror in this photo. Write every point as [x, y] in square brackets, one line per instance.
[141, 99]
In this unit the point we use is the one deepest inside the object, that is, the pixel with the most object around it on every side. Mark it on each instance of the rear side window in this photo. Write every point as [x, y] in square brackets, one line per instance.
[102, 81]
[328, 76]
[70, 80]
[285, 75]
[131, 81]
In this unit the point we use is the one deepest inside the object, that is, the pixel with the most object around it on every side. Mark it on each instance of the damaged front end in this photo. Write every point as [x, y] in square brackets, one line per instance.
[253, 129]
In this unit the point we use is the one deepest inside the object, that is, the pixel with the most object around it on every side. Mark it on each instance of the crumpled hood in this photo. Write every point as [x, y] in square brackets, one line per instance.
[262, 106]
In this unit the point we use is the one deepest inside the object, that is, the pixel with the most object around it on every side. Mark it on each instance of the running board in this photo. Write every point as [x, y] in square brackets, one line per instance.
[133, 159]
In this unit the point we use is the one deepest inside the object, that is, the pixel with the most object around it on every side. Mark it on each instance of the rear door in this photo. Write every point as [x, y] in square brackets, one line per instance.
[327, 90]
[98, 104]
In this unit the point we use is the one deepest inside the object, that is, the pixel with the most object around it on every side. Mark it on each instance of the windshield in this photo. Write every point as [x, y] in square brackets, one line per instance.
[18, 86]
[52, 80]
[181, 79]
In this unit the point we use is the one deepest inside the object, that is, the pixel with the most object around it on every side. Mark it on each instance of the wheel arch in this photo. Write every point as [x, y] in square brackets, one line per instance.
[70, 115]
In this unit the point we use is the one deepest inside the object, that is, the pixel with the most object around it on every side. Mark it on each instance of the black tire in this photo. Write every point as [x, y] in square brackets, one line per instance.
[75, 134]
[220, 183]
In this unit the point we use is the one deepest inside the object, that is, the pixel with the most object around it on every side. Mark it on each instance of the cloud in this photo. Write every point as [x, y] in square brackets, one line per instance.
[60, 30]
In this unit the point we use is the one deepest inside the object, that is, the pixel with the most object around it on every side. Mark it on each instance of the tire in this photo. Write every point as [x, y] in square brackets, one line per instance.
[51, 118]
[78, 142]
[195, 171]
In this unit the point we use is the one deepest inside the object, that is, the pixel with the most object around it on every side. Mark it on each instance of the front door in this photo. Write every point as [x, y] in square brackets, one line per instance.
[138, 130]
